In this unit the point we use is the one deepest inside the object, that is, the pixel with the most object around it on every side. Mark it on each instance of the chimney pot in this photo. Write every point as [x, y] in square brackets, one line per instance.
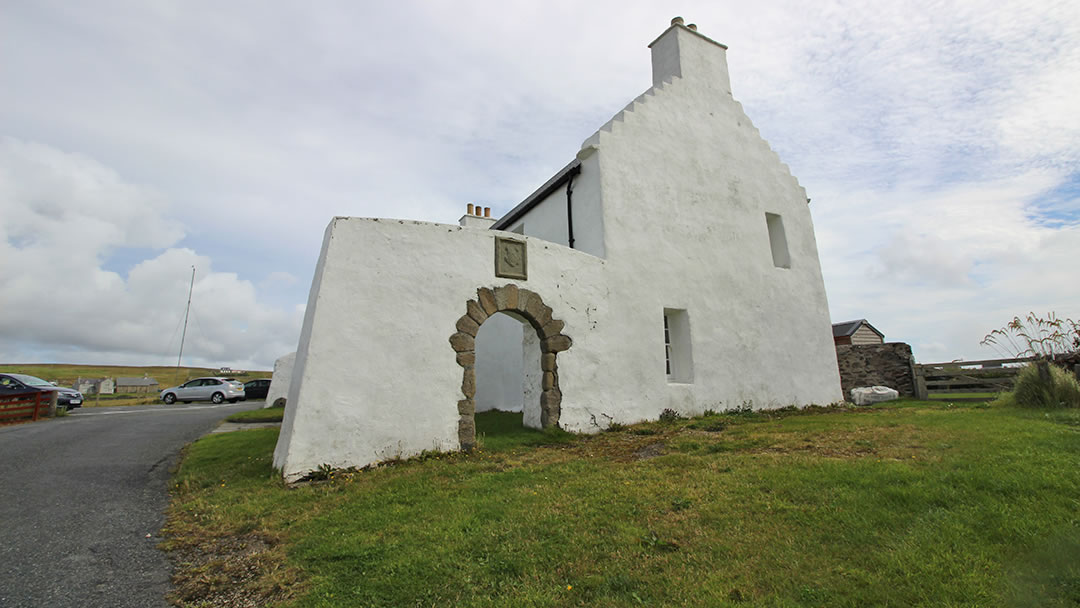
[692, 26]
[677, 21]
[487, 211]
[470, 209]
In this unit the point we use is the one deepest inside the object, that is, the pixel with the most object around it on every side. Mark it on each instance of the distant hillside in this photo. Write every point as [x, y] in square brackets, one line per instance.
[65, 374]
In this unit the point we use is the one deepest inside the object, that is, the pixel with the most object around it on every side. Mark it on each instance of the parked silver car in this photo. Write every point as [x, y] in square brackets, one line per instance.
[216, 390]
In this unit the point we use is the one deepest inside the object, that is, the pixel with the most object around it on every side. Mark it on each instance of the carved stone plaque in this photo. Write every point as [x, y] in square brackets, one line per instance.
[510, 259]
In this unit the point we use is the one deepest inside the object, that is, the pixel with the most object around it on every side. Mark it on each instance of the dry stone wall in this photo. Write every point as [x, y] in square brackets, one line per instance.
[888, 364]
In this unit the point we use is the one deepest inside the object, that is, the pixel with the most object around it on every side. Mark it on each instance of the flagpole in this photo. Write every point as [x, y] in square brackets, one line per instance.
[186, 311]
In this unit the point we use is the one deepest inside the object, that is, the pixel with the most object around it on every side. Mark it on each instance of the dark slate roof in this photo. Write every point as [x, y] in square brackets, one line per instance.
[848, 328]
[541, 193]
[136, 381]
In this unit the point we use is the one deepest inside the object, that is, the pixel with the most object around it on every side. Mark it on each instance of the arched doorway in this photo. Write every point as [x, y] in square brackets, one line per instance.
[508, 374]
[522, 305]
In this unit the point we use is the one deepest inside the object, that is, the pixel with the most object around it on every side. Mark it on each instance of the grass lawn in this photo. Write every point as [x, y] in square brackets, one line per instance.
[964, 396]
[269, 414]
[905, 504]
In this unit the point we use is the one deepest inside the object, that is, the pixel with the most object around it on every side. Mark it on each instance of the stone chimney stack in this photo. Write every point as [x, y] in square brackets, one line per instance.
[684, 52]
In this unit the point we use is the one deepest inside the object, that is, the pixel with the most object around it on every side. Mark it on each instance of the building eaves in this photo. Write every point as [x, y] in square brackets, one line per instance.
[541, 193]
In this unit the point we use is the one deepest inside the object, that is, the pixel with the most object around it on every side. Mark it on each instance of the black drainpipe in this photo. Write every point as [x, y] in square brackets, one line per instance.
[570, 210]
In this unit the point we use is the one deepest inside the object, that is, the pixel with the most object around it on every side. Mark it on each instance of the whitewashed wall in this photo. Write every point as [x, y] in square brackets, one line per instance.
[548, 219]
[281, 379]
[686, 183]
[375, 375]
[678, 185]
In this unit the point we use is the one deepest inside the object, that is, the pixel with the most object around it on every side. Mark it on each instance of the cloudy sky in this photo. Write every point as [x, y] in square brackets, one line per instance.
[939, 141]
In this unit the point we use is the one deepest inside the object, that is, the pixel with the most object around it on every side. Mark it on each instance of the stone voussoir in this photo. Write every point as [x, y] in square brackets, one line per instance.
[552, 328]
[467, 358]
[467, 432]
[468, 382]
[467, 325]
[466, 407]
[547, 362]
[543, 315]
[550, 407]
[476, 312]
[506, 297]
[486, 298]
[524, 297]
[463, 342]
[535, 309]
[552, 396]
[556, 343]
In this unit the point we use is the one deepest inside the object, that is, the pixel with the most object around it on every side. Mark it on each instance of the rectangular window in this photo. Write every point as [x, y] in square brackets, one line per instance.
[778, 241]
[678, 361]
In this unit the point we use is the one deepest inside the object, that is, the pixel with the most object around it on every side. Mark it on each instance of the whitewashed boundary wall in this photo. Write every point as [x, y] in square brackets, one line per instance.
[376, 376]
[281, 379]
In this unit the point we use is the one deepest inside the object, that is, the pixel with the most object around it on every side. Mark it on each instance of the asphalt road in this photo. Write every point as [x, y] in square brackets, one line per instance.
[80, 494]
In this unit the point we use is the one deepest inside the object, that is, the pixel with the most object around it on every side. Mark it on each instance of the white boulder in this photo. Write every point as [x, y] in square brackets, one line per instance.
[867, 395]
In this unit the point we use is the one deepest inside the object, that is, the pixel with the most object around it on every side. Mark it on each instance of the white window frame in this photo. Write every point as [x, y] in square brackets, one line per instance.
[678, 356]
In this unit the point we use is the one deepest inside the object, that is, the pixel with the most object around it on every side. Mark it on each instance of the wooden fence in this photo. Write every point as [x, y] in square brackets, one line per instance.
[26, 406]
[988, 376]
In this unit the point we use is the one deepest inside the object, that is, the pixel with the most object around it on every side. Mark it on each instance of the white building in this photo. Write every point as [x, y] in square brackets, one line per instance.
[95, 386]
[671, 265]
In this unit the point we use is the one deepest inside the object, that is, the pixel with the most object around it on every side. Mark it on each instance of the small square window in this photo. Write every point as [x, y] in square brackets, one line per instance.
[778, 241]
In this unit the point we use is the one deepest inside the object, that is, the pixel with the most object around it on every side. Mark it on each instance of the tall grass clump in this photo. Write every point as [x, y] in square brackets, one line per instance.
[1033, 390]
[1034, 336]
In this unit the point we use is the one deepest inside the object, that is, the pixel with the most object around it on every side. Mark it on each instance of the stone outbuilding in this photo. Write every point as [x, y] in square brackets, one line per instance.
[137, 385]
[856, 333]
[671, 264]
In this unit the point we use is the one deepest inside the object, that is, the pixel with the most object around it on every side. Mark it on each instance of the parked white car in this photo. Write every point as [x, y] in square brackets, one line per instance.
[216, 390]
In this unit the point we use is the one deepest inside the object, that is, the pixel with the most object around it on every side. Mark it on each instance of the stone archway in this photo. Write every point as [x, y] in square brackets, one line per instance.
[520, 303]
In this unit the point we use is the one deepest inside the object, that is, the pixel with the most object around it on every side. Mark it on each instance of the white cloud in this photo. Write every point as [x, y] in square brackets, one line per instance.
[936, 268]
[56, 200]
[63, 213]
[277, 278]
[936, 138]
